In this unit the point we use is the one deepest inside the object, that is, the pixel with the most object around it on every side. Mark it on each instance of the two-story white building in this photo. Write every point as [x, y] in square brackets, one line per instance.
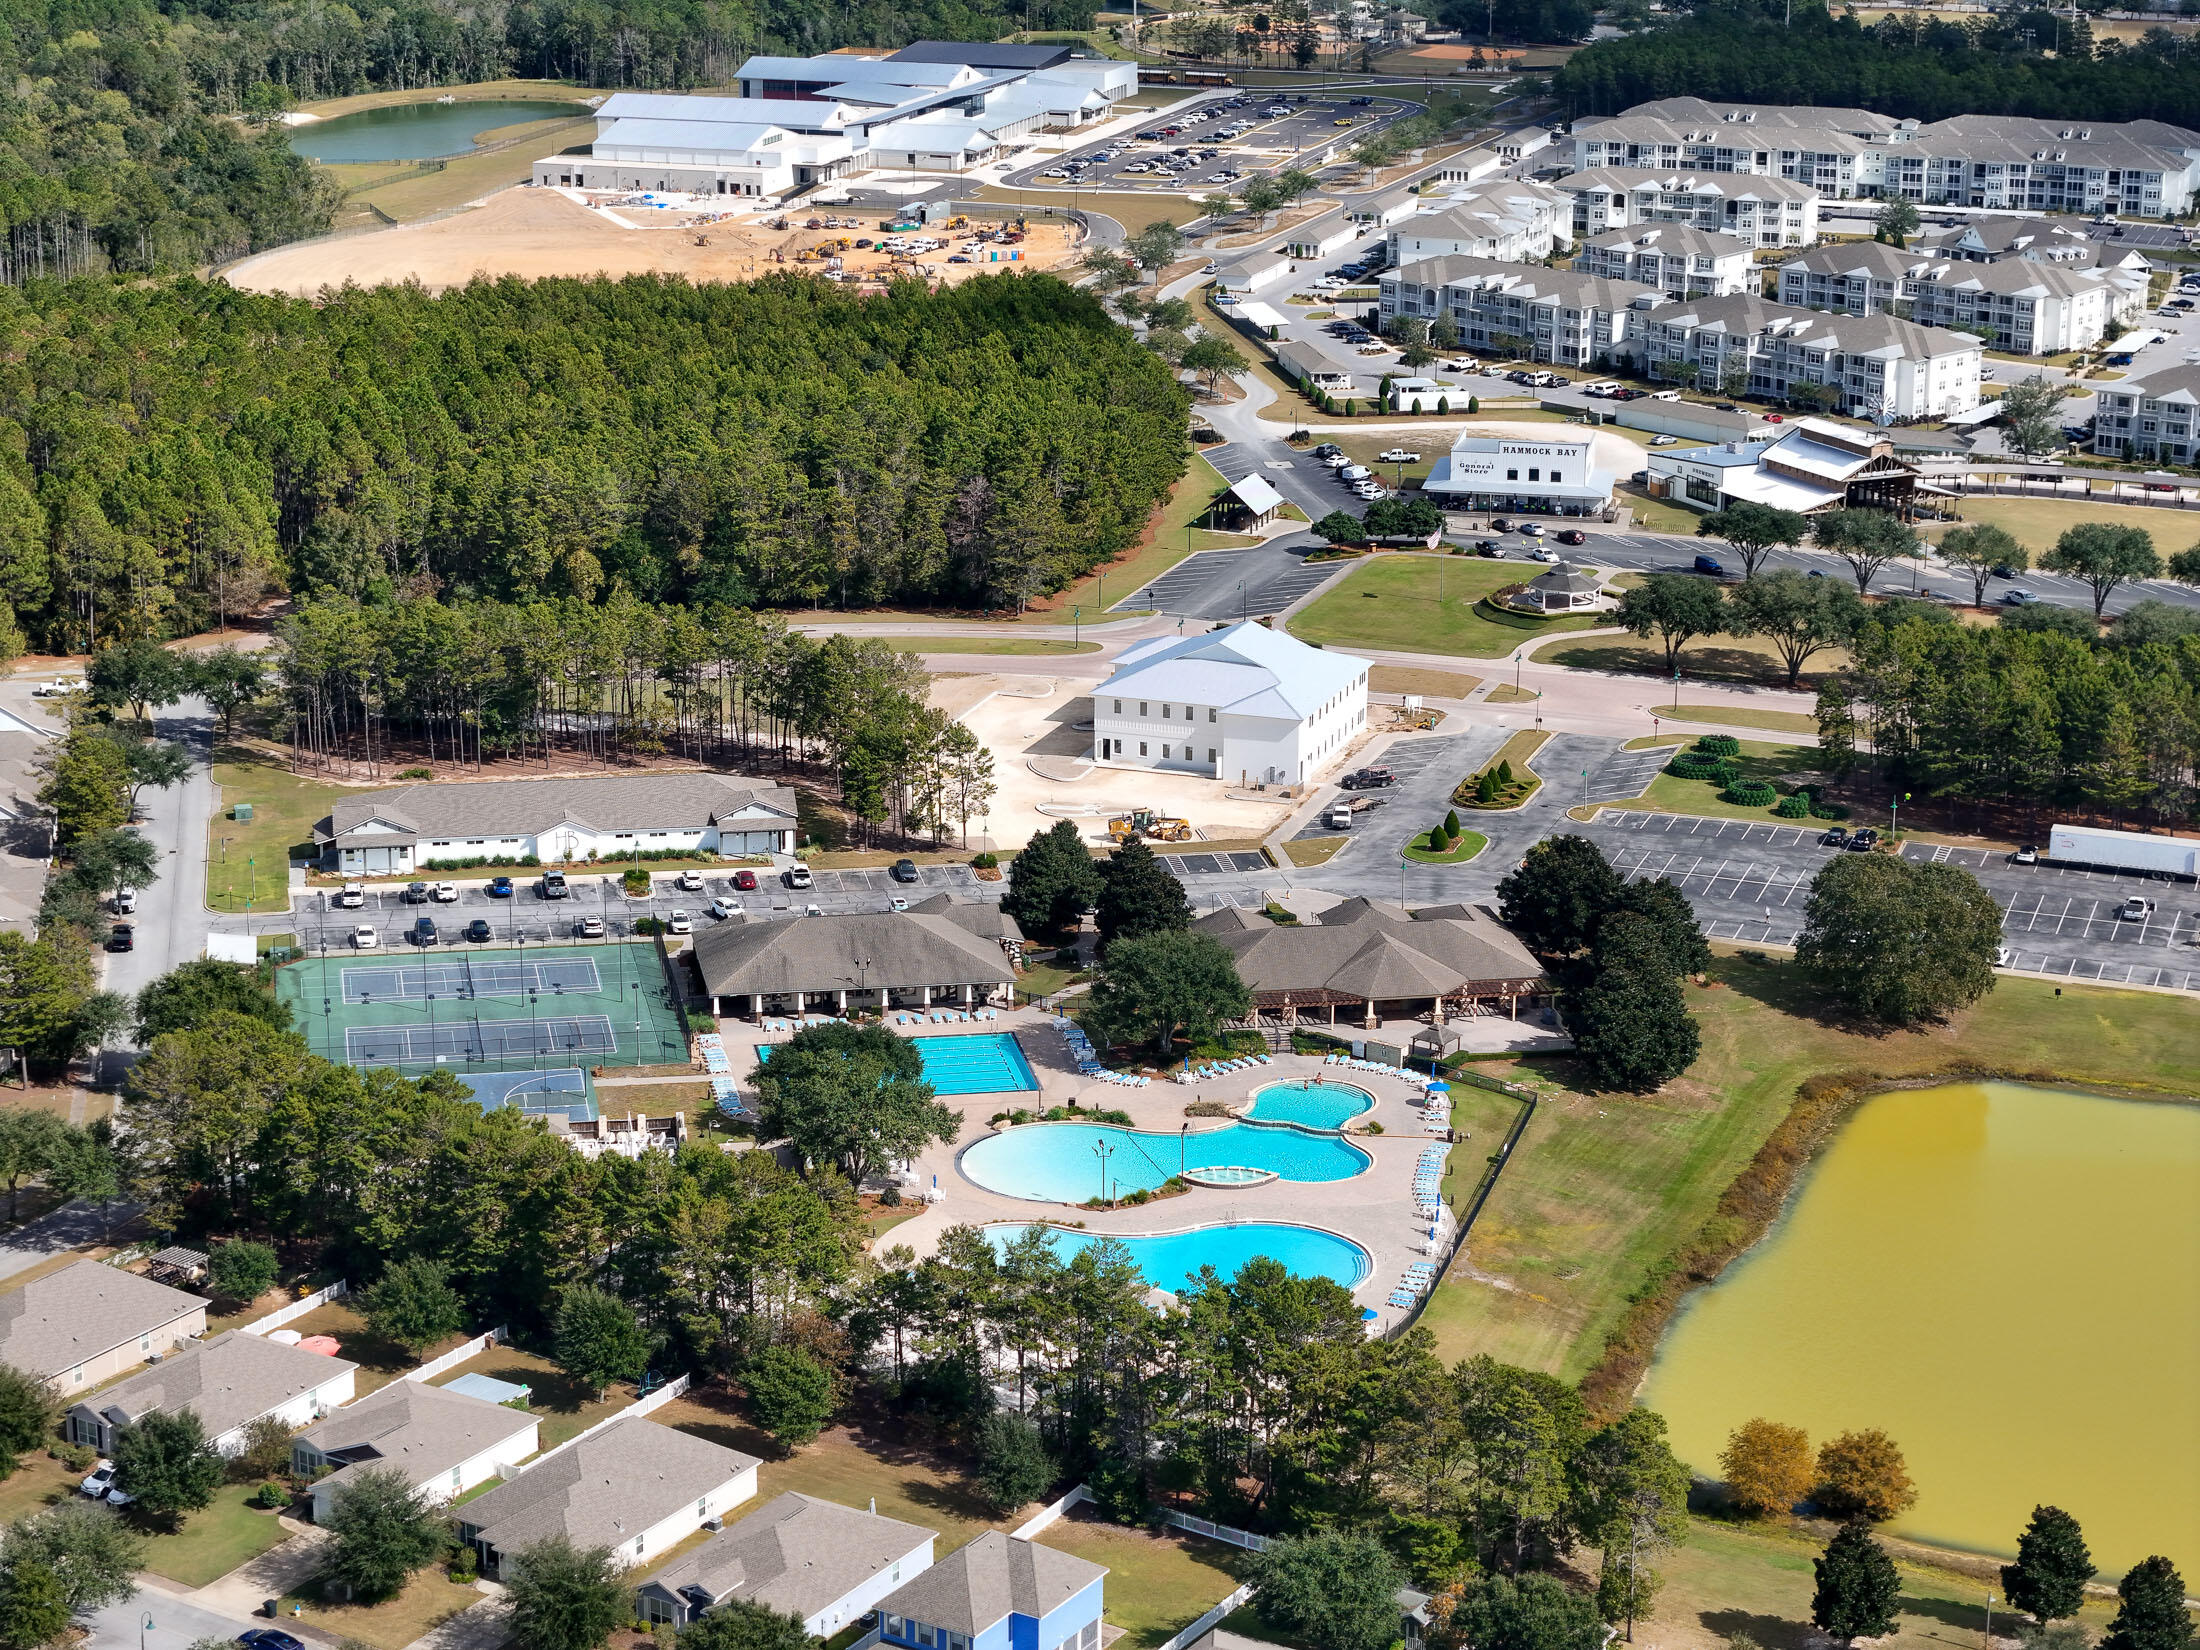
[1244, 703]
[1763, 211]
[1678, 261]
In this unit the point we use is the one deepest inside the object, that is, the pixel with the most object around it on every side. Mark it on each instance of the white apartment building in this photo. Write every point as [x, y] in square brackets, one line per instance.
[1986, 240]
[1678, 261]
[1513, 222]
[2156, 417]
[2020, 305]
[1762, 211]
[1880, 368]
[1558, 476]
[1555, 315]
[1244, 703]
[2008, 163]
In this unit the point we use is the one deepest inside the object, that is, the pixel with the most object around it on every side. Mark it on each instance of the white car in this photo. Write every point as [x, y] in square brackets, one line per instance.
[364, 938]
[1335, 461]
[813, 910]
[1353, 472]
[2017, 597]
[350, 897]
[724, 908]
[1493, 372]
[444, 893]
[2026, 855]
[689, 882]
[590, 928]
[1530, 529]
[680, 923]
[100, 1486]
[58, 690]
[1399, 455]
[125, 903]
[1665, 441]
[1544, 552]
[897, 903]
[2135, 909]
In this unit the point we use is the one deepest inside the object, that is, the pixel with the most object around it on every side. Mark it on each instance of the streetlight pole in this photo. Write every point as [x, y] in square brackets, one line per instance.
[145, 1625]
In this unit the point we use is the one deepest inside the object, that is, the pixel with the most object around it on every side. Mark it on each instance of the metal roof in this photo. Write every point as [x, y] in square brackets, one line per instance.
[1246, 668]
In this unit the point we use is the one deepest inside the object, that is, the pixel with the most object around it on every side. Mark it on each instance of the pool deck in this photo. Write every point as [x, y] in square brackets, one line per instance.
[1374, 1209]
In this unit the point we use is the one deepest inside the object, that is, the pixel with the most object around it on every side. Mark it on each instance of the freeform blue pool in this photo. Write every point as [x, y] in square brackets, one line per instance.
[1058, 1163]
[1312, 1104]
[1171, 1260]
[983, 1062]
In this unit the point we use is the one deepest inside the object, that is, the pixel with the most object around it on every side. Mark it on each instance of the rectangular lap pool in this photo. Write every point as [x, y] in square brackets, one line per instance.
[984, 1062]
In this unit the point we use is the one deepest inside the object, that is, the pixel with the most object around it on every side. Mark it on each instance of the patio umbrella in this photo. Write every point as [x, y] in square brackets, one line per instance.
[1436, 1085]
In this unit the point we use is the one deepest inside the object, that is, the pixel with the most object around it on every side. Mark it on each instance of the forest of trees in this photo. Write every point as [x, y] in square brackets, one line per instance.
[170, 451]
[121, 144]
[2012, 62]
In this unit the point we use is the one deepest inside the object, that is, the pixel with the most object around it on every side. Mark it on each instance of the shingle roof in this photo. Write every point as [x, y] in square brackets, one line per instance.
[56, 1322]
[794, 1553]
[1723, 185]
[994, 1576]
[1670, 237]
[1247, 668]
[854, 952]
[976, 916]
[1370, 951]
[525, 807]
[420, 1430]
[605, 1488]
[225, 1382]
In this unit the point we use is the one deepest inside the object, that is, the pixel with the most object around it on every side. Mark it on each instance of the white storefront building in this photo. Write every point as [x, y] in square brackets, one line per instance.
[1556, 476]
[1245, 703]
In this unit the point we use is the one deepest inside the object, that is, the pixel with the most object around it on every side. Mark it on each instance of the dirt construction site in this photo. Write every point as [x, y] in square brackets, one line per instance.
[532, 232]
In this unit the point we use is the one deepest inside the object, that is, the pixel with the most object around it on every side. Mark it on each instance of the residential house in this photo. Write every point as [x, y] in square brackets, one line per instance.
[631, 1485]
[1245, 703]
[228, 1382]
[1676, 260]
[88, 1322]
[797, 1555]
[444, 1442]
[998, 1593]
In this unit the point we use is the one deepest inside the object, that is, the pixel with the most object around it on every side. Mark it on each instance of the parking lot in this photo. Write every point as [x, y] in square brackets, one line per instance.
[1750, 882]
[1232, 584]
[1301, 134]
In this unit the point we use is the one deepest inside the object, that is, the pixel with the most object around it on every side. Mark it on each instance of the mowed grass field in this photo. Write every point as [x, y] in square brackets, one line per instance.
[1747, 659]
[249, 860]
[2036, 523]
[1603, 1186]
[1425, 604]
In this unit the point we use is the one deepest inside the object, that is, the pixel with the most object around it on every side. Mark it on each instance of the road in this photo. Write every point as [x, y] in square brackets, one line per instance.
[172, 922]
[72, 1226]
[177, 1623]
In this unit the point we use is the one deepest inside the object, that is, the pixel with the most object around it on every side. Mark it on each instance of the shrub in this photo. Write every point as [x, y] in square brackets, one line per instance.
[464, 1564]
[1505, 772]
[1750, 793]
[1719, 744]
[76, 1457]
[1688, 765]
[1793, 807]
[635, 881]
[417, 773]
[1443, 404]
[1828, 810]
[987, 861]
[1474, 405]
[269, 1496]
[648, 925]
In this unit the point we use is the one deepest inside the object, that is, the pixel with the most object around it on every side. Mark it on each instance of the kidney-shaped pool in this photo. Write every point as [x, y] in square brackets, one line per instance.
[1065, 1162]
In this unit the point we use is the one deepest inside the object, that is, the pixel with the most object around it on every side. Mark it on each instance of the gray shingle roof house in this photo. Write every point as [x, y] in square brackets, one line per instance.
[998, 1591]
[633, 1486]
[876, 958]
[815, 1559]
[444, 1442]
[1391, 962]
[556, 820]
[228, 1383]
[87, 1322]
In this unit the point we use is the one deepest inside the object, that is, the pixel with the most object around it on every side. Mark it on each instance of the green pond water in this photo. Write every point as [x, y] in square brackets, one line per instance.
[2004, 1279]
[419, 131]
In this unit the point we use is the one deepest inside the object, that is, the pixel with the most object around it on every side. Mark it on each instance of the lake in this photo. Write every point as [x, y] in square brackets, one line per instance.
[2004, 1279]
[419, 131]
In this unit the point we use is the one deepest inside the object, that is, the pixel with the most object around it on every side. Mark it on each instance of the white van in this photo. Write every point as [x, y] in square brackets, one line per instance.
[1665, 395]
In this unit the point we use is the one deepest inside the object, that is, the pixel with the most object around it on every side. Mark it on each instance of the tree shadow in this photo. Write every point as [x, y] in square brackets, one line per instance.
[1949, 1612]
[1785, 988]
[1773, 1632]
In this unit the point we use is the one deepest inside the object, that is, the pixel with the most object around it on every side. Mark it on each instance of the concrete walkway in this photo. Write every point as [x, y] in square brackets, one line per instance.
[279, 1570]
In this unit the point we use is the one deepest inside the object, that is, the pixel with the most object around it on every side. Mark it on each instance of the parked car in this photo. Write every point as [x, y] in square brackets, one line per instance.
[122, 937]
[267, 1638]
[745, 881]
[2029, 854]
[1571, 535]
[689, 882]
[679, 922]
[1710, 565]
[366, 938]
[100, 1486]
[1544, 552]
[1863, 841]
[589, 928]
[124, 903]
[2016, 596]
[1369, 779]
[723, 908]
[58, 690]
[1354, 472]
[897, 903]
[1489, 547]
[1338, 817]
[2135, 909]
[2001, 570]
[1665, 441]
[1835, 836]
[423, 931]
[500, 887]
[1498, 524]
[350, 897]
[444, 893]
[1531, 529]
[1325, 450]
[798, 875]
[903, 870]
[416, 893]
[478, 931]
[1399, 455]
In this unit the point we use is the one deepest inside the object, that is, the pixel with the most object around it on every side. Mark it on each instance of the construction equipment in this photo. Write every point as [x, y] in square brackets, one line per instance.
[1144, 822]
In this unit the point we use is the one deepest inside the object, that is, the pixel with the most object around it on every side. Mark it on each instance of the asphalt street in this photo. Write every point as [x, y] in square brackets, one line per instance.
[153, 1620]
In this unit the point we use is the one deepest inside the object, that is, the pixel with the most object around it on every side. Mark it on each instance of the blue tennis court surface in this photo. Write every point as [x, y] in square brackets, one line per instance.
[537, 1093]
[984, 1062]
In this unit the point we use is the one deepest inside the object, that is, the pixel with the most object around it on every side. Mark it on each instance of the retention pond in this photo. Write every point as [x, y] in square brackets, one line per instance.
[419, 131]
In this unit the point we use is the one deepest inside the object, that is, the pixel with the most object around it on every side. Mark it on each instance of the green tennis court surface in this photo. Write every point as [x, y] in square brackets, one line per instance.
[500, 1009]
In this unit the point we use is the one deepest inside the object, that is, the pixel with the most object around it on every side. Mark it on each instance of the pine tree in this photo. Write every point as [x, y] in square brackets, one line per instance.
[1052, 881]
[1485, 788]
[2047, 1582]
[1139, 896]
[1857, 1587]
[1451, 825]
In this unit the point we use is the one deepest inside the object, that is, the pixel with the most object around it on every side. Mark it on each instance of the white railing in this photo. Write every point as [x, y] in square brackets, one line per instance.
[1206, 1623]
[456, 1356]
[1217, 1532]
[296, 1309]
[1047, 1515]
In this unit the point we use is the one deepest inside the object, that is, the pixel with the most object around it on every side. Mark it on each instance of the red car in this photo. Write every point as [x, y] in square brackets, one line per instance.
[745, 881]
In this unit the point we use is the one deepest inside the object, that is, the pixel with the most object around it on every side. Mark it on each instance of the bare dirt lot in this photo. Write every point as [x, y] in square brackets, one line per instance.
[540, 232]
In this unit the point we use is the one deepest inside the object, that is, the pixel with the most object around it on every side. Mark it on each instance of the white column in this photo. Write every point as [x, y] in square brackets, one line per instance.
[840, 1002]
[798, 1002]
[756, 1005]
[924, 996]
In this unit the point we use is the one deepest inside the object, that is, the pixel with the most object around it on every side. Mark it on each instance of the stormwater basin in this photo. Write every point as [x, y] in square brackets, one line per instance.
[1171, 1260]
[419, 131]
[1064, 1162]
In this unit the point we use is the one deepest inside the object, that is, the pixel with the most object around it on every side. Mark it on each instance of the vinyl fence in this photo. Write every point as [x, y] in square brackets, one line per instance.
[296, 1309]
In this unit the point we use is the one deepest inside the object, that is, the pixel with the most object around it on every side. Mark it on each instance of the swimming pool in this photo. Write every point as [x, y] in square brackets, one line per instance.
[1171, 1260]
[1312, 1104]
[984, 1062]
[1058, 1162]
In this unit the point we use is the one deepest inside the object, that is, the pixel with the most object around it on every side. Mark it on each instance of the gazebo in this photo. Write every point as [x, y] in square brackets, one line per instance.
[1564, 589]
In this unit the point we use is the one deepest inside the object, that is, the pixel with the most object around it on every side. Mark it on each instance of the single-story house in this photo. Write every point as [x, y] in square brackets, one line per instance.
[1243, 703]
[556, 820]
[633, 1486]
[444, 1442]
[883, 959]
[1304, 367]
[798, 1555]
[1564, 589]
[228, 1383]
[1378, 961]
[998, 1593]
[88, 1323]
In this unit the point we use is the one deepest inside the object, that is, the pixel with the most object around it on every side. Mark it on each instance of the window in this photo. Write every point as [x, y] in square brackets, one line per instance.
[925, 1634]
[1191, 715]
[1142, 747]
[1210, 753]
[1164, 713]
[1119, 707]
[893, 1626]
[1164, 753]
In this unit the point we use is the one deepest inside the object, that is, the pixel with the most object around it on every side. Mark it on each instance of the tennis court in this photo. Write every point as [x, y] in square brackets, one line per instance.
[498, 1009]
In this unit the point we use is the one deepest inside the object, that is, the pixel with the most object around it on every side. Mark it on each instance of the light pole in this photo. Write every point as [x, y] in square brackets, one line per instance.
[145, 1625]
[1103, 1151]
[1894, 814]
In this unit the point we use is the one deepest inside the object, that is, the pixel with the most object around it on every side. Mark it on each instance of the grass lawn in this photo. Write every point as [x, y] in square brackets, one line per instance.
[1673, 795]
[1518, 752]
[1604, 1186]
[215, 1540]
[380, 1362]
[1425, 603]
[1745, 716]
[426, 1601]
[1748, 659]
[548, 91]
[1655, 515]
[985, 644]
[1044, 979]
[251, 857]
[1470, 844]
[1430, 684]
[1157, 1584]
[2036, 523]
[1506, 694]
[407, 194]
[35, 1485]
[563, 1406]
[1313, 850]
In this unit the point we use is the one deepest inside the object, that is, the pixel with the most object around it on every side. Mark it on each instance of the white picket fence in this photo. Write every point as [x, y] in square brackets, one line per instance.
[1217, 1532]
[296, 1309]
[457, 1355]
[1047, 1515]
[1206, 1623]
